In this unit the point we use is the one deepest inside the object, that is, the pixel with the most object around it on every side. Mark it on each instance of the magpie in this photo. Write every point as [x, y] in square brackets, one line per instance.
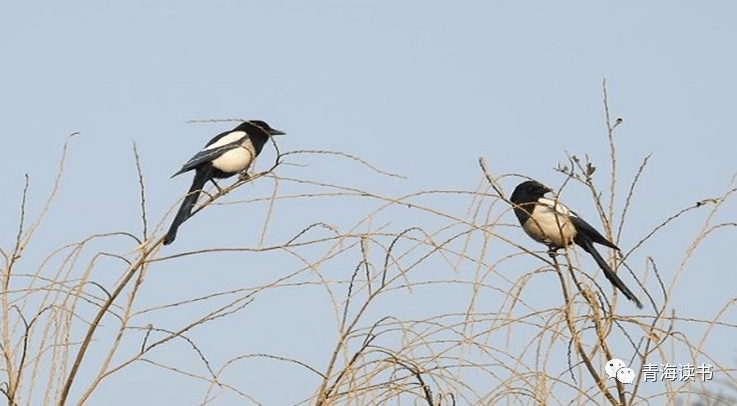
[225, 155]
[553, 224]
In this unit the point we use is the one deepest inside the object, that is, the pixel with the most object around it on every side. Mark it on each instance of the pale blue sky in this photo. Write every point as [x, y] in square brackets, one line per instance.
[419, 88]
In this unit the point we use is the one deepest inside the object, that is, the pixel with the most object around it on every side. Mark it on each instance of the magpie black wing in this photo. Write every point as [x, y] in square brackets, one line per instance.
[215, 148]
[589, 231]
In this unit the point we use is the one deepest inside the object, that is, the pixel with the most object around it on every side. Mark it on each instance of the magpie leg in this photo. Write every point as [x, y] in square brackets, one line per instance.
[220, 190]
[552, 251]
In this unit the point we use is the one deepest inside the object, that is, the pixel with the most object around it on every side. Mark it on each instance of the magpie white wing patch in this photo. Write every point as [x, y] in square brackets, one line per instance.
[555, 206]
[233, 136]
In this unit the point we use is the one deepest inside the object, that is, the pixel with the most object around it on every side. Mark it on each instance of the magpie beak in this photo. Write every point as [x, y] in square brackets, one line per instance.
[553, 224]
[223, 156]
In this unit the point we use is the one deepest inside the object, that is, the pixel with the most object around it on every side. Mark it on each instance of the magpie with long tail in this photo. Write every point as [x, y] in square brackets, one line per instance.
[225, 155]
[553, 224]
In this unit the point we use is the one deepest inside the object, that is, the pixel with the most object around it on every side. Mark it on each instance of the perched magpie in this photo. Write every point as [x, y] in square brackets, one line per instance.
[225, 155]
[549, 222]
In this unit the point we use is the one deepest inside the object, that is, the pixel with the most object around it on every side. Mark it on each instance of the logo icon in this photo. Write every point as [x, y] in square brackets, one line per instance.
[626, 375]
[616, 368]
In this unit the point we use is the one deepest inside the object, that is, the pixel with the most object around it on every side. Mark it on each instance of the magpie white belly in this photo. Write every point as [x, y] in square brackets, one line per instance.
[235, 160]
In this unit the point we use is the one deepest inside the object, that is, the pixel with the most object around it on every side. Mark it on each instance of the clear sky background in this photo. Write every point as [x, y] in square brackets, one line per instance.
[418, 88]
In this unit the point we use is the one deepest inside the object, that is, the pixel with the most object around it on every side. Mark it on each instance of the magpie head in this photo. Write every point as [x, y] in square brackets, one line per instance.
[528, 192]
[266, 127]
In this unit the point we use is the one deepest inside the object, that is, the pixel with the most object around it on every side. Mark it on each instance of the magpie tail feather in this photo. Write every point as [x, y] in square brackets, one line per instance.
[185, 210]
[613, 278]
